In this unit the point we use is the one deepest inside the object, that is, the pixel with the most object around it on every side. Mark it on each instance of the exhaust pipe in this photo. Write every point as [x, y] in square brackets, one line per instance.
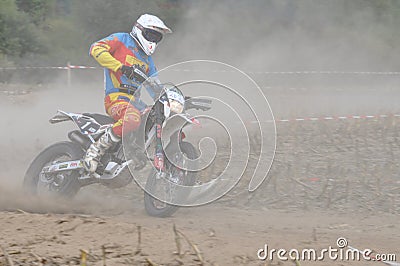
[78, 137]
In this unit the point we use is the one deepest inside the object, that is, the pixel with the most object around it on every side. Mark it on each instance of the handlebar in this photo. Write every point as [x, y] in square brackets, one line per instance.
[197, 103]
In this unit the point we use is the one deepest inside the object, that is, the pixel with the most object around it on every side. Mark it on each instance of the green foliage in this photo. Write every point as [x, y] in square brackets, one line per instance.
[18, 35]
[102, 17]
[38, 10]
[58, 31]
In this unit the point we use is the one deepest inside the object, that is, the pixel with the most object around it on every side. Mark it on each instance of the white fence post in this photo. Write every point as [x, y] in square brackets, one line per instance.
[69, 74]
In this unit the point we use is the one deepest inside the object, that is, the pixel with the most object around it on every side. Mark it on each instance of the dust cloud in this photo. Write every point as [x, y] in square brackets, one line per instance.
[289, 36]
[26, 110]
[252, 36]
[329, 178]
[282, 35]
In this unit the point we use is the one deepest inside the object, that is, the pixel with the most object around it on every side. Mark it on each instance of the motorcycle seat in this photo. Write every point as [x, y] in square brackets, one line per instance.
[100, 118]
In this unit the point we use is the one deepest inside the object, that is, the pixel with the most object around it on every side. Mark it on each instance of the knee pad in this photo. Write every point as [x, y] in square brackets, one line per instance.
[131, 120]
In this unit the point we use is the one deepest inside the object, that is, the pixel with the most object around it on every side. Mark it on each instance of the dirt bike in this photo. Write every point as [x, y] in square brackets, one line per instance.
[58, 169]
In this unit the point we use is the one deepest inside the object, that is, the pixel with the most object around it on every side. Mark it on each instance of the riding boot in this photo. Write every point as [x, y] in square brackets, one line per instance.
[98, 148]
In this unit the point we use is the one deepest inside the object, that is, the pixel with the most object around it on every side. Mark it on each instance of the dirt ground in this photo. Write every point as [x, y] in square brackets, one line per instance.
[329, 179]
[222, 235]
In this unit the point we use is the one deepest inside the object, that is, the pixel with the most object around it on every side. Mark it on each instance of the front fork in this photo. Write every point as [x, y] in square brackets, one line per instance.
[159, 153]
[159, 163]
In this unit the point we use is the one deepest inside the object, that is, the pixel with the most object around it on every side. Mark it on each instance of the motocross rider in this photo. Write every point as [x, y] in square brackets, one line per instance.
[125, 57]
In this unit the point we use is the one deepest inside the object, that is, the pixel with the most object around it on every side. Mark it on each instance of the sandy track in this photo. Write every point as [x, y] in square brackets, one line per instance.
[331, 179]
[224, 236]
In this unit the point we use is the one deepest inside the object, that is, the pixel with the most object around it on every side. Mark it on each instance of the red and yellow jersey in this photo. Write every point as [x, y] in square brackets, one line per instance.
[116, 50]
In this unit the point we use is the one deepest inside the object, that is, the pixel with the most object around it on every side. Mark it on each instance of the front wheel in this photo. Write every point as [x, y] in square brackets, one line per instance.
[63, 184]
[154, 184]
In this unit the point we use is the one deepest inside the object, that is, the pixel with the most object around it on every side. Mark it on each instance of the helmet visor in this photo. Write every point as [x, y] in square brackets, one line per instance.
[152, 35]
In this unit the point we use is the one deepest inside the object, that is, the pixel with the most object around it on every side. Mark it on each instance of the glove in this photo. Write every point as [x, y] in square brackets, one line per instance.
[159, 161]
[133, 73]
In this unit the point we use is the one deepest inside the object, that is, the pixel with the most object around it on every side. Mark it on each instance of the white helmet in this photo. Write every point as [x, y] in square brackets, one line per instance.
[149, 31]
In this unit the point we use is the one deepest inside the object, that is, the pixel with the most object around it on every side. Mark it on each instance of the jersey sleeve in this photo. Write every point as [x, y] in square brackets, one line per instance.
[102, 51]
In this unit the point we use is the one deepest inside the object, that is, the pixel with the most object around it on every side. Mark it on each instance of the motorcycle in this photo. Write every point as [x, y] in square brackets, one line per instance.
[58, 169]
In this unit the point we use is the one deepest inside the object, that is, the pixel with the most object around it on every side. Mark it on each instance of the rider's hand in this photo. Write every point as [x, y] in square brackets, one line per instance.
[132, 72]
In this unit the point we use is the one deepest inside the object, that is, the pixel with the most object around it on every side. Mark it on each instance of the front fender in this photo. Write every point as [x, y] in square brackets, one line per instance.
[172, 128]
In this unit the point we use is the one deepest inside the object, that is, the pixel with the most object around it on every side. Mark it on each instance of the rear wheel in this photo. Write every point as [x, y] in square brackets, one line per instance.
[160, 185]
[58, 184]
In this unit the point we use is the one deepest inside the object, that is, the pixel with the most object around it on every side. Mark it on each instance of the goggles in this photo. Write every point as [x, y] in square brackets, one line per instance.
[149, 34]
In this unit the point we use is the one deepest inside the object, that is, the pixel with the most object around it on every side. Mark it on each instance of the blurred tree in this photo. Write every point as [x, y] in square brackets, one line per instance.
[62, 30]
[38, 10]
[18, 35]
[102, 17]
[95, 19]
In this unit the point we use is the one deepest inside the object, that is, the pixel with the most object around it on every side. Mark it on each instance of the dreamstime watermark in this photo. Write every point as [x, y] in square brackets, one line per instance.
[342, 252]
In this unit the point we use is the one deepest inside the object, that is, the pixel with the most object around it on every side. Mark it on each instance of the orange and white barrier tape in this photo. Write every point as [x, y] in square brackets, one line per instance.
[317, 72]
[48, 67]
[330, 118]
